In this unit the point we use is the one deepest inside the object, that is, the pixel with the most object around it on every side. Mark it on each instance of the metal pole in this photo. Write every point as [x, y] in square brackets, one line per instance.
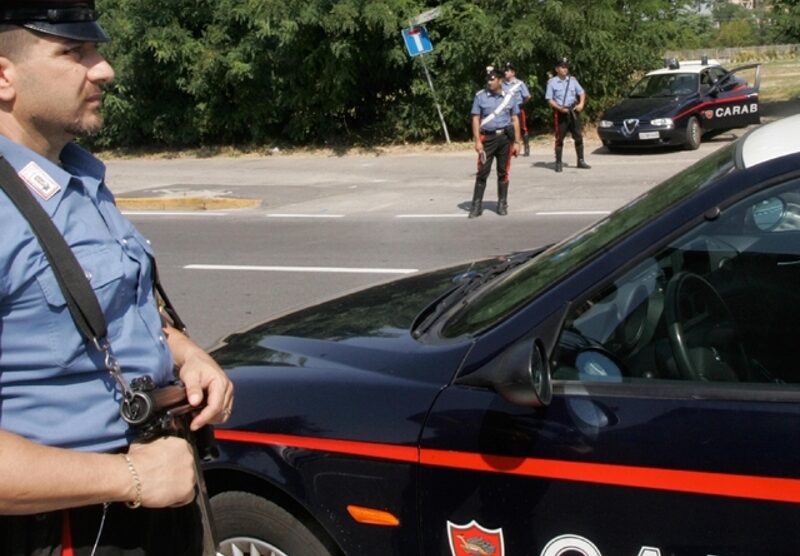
[433, 92]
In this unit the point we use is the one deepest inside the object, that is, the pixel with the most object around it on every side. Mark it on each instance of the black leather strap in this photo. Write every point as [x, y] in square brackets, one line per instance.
[81, 299]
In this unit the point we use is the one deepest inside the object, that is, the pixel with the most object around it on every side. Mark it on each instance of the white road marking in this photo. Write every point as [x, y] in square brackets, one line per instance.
[431, 215]
[333, 269]
[574, 213]
[289, 215]
[174, 213]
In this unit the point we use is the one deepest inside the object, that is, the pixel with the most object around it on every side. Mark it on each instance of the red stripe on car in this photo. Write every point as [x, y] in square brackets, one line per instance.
[695, 482]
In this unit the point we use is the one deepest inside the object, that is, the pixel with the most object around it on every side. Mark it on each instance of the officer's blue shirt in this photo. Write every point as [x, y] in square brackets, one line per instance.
[521, 91]
[485, 102]
[54, 387]
[564, 91]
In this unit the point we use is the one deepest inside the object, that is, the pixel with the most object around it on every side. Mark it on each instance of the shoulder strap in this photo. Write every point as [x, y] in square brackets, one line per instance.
[81, 299]
[500, 108]
[566, 90]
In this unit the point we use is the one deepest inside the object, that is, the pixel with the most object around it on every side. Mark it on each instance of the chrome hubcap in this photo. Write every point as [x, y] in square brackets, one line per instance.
[248, 546]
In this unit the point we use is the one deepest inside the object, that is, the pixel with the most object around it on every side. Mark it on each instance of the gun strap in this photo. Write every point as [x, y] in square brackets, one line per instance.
[75, 286]
[566, 90]
[78, 293]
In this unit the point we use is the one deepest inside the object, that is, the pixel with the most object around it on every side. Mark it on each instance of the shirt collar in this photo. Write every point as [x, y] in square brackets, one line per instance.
[76, 163]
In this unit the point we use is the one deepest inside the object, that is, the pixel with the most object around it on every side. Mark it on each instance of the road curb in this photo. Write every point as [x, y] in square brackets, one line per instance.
[185, 203]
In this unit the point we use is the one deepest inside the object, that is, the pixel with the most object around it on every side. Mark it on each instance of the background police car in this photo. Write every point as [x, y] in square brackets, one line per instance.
[677, 104]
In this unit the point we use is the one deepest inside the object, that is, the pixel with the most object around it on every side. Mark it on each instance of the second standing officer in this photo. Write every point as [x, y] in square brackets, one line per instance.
[495, 127]
[567, 98]
[515, 85]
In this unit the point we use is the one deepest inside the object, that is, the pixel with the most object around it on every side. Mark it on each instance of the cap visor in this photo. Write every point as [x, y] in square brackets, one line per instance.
[84, 31]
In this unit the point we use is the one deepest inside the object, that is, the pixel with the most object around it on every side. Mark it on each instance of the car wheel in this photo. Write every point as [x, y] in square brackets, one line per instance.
[248, 525]
[693, 134]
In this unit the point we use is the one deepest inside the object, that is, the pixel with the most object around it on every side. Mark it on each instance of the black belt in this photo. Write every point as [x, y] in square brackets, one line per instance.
[494, 131]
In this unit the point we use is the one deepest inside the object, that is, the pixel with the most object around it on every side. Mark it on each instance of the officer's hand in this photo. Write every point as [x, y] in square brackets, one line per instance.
[578, 108]
[478, 147]
[166, 472]
[205, 381]
[515, 149]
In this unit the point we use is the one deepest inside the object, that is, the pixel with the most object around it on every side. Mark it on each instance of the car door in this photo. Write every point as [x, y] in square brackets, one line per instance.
[673, 424]
[733, 97]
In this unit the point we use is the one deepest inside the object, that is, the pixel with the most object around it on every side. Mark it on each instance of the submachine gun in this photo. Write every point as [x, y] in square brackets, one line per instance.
[154, 412]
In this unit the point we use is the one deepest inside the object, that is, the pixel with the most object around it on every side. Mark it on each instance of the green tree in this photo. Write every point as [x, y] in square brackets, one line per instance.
[784, 21]
[739, 32]
[255, 72]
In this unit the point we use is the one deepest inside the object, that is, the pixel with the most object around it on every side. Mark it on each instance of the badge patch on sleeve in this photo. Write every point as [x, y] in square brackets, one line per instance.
[39, 181]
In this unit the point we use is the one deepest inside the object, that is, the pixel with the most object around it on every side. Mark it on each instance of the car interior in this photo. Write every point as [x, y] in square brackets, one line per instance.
[720, 303]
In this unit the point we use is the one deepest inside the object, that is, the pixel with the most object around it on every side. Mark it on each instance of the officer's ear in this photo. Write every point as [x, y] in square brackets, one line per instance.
[7, 89]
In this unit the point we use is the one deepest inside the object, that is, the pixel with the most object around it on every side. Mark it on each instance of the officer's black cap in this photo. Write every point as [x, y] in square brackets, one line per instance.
[494, 73]
[564, 61]
[511, 66]
[70, 19]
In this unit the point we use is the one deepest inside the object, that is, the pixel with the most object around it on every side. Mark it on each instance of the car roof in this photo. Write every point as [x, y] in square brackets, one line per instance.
[770, 141]
[688, 66]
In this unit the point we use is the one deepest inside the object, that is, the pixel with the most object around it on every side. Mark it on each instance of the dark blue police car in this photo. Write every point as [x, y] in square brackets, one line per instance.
[633, 390]
[676, 105]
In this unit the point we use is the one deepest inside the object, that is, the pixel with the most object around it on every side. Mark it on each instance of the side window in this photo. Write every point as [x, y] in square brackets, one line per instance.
[706, 81]
[720, 303]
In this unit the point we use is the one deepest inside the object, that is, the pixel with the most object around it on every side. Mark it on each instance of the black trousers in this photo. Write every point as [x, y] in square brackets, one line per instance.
[126, 532]
[565, 123]
[496, 146]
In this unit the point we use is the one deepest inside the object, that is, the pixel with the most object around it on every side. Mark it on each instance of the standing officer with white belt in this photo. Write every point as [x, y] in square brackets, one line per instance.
[513, 84]
[495, 127]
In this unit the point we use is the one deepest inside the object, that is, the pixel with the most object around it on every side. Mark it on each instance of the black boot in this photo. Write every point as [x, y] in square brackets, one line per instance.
[581, 161]
[476, 209]
[502, 198]
[526, 143]
[559, 164]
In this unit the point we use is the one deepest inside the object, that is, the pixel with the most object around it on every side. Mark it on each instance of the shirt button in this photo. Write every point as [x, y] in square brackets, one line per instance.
[161, 338]
[147, 241]
[88, 275]
[124, 242]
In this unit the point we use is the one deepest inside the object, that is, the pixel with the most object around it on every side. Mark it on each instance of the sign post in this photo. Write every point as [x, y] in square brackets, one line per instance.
[418, 44]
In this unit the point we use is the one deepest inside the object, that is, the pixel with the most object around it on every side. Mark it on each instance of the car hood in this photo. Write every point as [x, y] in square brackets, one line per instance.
[294, 374]
[643, 108]
[379, 317]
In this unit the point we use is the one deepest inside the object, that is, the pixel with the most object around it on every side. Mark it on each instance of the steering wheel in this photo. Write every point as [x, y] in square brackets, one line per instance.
[702, 332]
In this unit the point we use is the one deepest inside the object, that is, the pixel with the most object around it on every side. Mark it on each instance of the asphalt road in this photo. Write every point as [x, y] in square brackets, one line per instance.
[332, 224]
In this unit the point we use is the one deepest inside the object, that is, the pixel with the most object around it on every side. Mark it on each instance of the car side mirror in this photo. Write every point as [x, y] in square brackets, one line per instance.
[520, 374]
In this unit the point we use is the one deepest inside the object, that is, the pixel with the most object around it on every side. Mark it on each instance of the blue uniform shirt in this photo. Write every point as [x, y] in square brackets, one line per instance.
[521, 91]
[564, 91]
[54, 387]
[485, 102]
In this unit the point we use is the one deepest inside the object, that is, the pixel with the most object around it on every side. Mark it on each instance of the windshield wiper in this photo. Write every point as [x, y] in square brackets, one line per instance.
[460, 293]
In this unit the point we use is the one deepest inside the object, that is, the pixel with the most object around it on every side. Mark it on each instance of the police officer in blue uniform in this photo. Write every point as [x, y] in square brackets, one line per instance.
[567, 98]
[495, 127]
[71, 471]
[515, 85]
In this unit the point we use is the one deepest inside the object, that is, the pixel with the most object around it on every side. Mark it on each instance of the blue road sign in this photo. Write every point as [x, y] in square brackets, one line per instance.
[417, 40]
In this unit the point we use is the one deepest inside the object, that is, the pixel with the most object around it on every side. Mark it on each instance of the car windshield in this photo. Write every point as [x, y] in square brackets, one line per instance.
[511, 291]
[666, 85]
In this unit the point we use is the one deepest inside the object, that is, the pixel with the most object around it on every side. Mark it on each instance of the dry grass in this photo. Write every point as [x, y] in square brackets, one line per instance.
[780, 80]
